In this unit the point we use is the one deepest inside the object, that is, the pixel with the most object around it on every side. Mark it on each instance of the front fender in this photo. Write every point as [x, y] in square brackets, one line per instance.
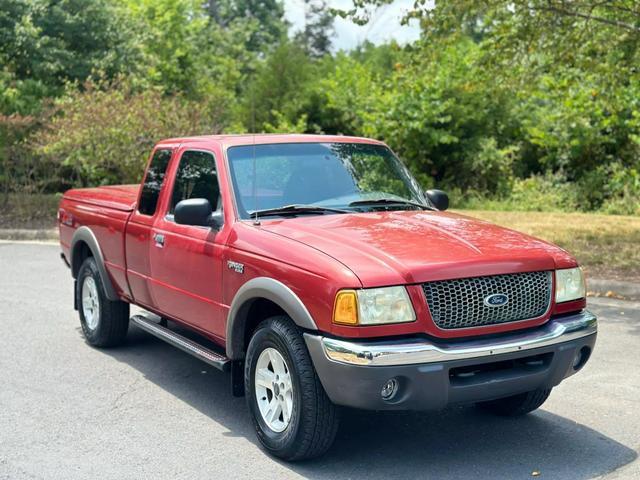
[272, 290]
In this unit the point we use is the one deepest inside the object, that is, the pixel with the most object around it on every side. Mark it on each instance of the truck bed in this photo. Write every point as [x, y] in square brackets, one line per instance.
[105, 210]
[116, 197]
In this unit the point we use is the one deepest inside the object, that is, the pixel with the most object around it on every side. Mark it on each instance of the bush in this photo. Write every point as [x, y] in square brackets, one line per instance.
[538, 193]
[19, 170]
[544, 193]
[103, 134]
[611, 189]
[623, 191]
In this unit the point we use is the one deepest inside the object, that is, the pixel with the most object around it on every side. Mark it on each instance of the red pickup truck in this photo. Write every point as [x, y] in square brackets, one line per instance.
[319, 274]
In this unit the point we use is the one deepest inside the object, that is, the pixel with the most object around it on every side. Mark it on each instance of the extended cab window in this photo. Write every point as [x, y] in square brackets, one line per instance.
[153, 182]
[196, 178]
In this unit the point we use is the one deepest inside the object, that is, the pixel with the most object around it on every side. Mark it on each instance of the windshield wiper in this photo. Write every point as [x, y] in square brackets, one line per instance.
[296, 209]
[388, 201]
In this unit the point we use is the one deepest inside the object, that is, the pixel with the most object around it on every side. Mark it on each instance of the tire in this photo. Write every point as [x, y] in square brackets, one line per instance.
[313, 419]
[517, 405]
[104, 322]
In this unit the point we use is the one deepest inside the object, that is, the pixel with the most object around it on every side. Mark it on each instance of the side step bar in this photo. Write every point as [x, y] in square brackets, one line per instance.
[185, 344]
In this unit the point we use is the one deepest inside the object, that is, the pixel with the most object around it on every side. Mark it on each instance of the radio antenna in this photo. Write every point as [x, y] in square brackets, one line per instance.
[256, 220]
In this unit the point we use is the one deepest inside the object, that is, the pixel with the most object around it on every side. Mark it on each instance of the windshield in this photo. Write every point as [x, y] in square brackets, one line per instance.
[344, 176]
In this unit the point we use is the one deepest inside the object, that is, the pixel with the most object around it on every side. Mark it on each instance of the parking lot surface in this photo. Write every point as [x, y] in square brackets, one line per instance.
[148, 410]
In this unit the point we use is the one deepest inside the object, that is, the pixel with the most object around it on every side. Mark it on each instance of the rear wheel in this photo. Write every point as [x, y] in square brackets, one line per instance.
[293, 417]
[518, 404]
[104, 322]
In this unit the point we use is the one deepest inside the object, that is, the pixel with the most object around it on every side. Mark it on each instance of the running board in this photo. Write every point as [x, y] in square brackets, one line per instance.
[183, 343]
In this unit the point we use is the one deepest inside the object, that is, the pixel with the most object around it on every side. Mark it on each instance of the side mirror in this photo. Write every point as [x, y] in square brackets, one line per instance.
[194, 211]
[439, 199]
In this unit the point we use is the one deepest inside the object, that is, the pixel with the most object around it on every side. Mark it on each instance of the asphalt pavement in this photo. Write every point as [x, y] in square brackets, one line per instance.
[148, 410]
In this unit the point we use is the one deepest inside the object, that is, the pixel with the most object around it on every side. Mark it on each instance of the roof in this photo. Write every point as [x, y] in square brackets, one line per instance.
[264, 138]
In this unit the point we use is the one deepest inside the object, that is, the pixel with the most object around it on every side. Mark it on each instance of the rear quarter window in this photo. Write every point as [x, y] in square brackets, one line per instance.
[153, 182]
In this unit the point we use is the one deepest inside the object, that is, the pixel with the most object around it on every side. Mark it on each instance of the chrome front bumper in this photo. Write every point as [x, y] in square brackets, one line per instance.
[396, 353]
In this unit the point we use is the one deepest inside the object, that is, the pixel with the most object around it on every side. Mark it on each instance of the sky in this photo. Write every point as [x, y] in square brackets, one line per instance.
[383, 26]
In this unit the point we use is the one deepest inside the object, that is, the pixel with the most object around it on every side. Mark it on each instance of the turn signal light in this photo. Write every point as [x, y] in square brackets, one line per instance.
[345, 310]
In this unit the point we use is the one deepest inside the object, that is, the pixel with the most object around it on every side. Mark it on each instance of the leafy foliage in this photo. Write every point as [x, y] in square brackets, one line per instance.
[262, 20]
[541, 87]
[106, 131]
[278, 90]
[316, 35]
[47, 43]
[507, 103]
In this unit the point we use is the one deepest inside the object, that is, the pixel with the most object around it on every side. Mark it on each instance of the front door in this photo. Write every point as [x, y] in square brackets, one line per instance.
[138, 234]
[186, 260]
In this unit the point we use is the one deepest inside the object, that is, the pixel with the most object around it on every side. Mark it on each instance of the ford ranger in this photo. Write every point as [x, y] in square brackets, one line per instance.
[317, 272]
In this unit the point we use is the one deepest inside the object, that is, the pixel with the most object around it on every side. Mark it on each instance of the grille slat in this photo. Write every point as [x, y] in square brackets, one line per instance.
[460, 303]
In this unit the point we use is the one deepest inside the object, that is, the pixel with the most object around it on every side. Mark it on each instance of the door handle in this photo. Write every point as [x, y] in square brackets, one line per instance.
[159, 239]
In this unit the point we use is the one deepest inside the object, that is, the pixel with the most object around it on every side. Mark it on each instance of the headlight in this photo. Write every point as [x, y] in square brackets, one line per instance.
[569, 285]
[373, 306]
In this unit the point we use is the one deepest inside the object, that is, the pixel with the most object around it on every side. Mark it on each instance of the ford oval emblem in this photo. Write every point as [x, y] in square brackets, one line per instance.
[496, 300]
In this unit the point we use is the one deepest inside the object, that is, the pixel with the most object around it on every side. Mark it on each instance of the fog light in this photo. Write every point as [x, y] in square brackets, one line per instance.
[389, 389]
[577, 358]
[581, 358]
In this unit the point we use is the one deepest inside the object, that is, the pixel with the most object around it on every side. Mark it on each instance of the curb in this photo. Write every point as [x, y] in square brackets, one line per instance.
[22, 234]
[599, 287]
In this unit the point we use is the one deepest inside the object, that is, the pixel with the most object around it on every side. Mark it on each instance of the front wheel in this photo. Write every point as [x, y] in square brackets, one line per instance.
[517, 405]
[293, 417]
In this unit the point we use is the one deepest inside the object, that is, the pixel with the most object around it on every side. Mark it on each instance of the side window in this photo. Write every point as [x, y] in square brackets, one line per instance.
[196, 178]
[153, 182]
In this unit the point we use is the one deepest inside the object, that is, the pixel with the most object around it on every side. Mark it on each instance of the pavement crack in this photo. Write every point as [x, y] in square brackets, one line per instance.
[115, 404]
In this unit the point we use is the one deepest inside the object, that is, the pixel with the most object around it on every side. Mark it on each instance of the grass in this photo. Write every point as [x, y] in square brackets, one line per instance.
[607, 246]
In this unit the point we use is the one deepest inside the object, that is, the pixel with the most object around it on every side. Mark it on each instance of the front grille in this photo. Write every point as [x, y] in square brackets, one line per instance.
[461, 303]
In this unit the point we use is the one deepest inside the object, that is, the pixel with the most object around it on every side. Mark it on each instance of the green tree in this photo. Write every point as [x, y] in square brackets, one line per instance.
[172, 34]
[45, 43]
[561, 80]
[263, 20]
[318, 28]
[278, 91]
[348, 96]
[203, 49]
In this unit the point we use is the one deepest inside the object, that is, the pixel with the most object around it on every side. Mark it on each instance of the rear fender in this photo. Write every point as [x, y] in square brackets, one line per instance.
[84, 235]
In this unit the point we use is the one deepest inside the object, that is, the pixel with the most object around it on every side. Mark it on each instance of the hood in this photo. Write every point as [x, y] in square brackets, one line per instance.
[403, 247]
